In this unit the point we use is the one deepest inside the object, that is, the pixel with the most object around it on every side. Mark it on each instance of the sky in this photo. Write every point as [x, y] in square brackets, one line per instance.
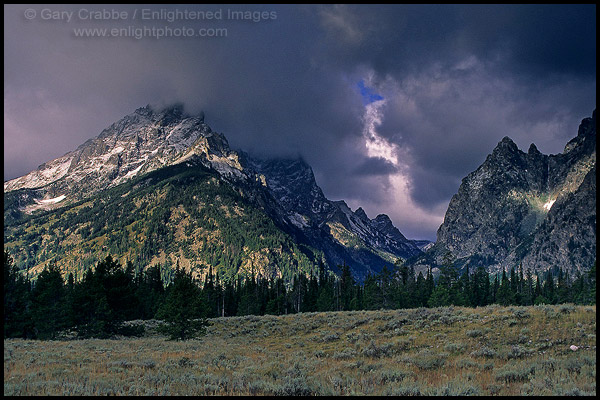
[391, 105]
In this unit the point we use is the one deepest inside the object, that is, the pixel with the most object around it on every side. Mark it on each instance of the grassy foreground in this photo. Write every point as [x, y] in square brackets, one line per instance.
[441, 351]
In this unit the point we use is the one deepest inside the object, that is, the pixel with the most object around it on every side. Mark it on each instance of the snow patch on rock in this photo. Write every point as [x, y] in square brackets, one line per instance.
[549, 204]
[52, 201]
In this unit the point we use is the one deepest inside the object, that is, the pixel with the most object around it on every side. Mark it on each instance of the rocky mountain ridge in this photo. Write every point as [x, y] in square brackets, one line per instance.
[286, 189]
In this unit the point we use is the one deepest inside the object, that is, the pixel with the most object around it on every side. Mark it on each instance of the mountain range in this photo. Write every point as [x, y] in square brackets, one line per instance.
[161, 187]
[133, 151]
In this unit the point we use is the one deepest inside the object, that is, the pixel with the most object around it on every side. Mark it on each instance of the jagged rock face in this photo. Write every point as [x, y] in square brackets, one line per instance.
[330, 225]
[293, 184]
[527, 208]
[285, 189]
[491, 202]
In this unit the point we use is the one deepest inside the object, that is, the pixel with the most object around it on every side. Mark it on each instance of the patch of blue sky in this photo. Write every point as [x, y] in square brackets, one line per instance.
[368, 94]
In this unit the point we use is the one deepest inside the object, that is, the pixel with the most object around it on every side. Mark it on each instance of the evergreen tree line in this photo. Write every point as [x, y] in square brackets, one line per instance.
[105, 298]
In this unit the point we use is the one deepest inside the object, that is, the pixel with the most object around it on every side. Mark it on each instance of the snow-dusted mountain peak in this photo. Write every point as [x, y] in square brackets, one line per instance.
[140, 142]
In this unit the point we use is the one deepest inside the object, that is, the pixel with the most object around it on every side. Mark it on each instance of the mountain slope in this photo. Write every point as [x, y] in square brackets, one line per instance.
[182, 214]
[147, 141]
[525, 208]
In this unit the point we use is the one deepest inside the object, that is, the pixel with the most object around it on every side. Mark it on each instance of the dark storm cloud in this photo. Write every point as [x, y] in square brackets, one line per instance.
[534, 38]
[375, 166]
[460, 78]
[455, 79]
[259, 85]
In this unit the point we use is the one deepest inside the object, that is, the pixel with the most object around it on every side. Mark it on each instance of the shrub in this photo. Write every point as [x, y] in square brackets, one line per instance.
[391, 325]
[411, 389]
[352, 337]
[427, 360]
[467, 363]
[454, 347]
[494, 389]
[401, 345]
[355, 364]
[484, 352]
[520, 313]
[518, 352]
[474, 333]
[375, 351]
[327, 337]
[515, 372]
[454, 388]
[148, 364]
[523, 339]
[575, 363]
[344, 354]
[185, 362]
[330, 338]
[566, 308]
[393, 375]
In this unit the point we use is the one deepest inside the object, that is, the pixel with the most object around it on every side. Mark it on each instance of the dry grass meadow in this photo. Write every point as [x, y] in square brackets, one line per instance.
[441, 351]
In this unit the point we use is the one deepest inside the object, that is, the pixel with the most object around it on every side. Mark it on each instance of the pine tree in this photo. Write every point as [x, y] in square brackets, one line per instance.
[480, 287]
[494, 290]
[538, 297]
[183, 310]
[385, 282]
[411, 299]
[104, 300]
[249, 303]
[469, 287]
[312, 294]
[514, 287]
[521, 287]
[149, 292]
[429, 286]
[17, 313]
[89, 313]
[462, 296]
[326, 299]
[49, 301]
[121, 292]
[347, 286]
[420, 291]
[277, 295]
[562, 287]
[372, 294]
[592, 284]
[548, 288]
[446, 291]
[399, 285]
[528, 289]
[209, 293]
[505, 295]
[440, 296]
